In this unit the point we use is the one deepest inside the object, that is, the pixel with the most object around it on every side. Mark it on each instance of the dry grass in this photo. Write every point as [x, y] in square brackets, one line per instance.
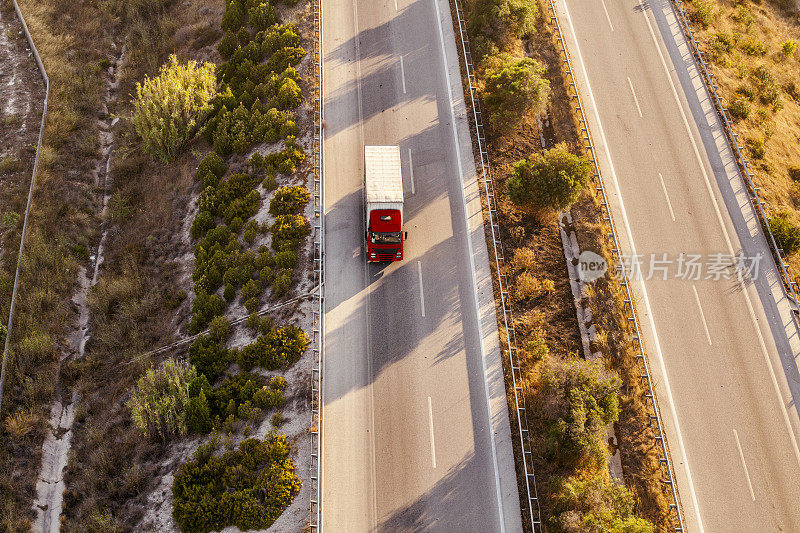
[768, 82]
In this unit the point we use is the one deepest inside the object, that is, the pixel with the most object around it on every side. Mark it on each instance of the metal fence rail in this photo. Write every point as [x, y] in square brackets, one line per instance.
[533, 509]
[666, 465]
[788, 281]
[10, 323]
[315, 507]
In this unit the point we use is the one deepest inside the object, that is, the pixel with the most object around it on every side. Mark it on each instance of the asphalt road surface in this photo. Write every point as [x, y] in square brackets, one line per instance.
[723, 352]
[415, 433]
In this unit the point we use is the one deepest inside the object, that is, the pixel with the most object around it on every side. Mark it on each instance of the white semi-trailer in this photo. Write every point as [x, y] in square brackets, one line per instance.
[383, 195]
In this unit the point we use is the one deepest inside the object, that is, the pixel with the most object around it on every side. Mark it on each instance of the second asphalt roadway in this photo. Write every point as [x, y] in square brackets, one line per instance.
[723, 351]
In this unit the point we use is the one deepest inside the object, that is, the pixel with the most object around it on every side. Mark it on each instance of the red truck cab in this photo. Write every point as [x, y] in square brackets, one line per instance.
[384, 235]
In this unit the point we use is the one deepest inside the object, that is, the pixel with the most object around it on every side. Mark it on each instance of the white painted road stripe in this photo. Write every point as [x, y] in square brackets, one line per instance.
[421, 291]
[744, 465]
[669, 204]
[607, 17]
[702, 315]
[430, 426]
[635, 100]
[403, 74]
[646, 299]
[472, 270]
[411, 171]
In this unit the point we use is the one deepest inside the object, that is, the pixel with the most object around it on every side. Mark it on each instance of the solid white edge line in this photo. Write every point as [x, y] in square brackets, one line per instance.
[635, 100]
[702, 315]
[411, 171]
[472, 269]
[744, 465]
[607, 17]
[403, 74]
[430, 426]
[646, 300]
[669, 204]
[750, 308]
[421, 290]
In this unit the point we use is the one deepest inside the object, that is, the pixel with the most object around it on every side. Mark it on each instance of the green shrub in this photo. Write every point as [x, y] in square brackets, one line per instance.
[277, 37]
[289, 228]
[268, 398]
[228, 45]
[786, 232]
[757, 148]
[289, 200]
[170, 108]
[276, 349]
[269, 183]
[158, 403]
[219, 329]
[794, 173]
[264, 258]
[788, 47]
[285, 57]
[550, 181]
[213, 163]
[282, 282]
[289, 94]
[203, 221]
[285, 161]
[233, 18]
[210, 358]
[252, 304]
[701, 13]
[259, 324]
[744, 16]
[232, 393]
[248, 488]
[250, 231]
[204, 308]
[753, 46]
[198, 414]
[514, 87]
[739, 108]
[251, 289]
[501, 21]
[594, 504]
[579, 398]
[286, 259]
[262, 16]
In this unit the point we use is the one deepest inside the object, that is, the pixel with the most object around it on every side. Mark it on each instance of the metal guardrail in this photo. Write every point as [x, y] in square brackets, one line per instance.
[7, 345]
[533, 508]
[788, 281]
[318, 347]
[632, 317]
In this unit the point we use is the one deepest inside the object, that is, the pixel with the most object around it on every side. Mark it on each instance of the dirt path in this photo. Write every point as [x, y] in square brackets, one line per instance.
[21, 97]
[50, 485]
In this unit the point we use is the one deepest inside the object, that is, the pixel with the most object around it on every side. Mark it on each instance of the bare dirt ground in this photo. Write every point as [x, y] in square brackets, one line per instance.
[21, 97]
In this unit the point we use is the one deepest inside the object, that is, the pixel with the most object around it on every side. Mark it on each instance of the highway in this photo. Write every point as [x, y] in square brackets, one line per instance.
[415, 433]
[723, 352]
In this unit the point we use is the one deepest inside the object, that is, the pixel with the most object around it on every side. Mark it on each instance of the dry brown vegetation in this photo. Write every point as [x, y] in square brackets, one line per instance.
[751, 46]
[545, 319]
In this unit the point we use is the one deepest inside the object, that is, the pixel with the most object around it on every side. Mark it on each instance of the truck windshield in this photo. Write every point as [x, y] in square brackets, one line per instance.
[385, 238]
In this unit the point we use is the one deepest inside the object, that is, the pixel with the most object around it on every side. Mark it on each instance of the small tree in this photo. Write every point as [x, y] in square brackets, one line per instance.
[579, 398]
[170, 108]
[158, 403]
[500, 21]
[593, 503]
[514, 87]
[552, 180]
